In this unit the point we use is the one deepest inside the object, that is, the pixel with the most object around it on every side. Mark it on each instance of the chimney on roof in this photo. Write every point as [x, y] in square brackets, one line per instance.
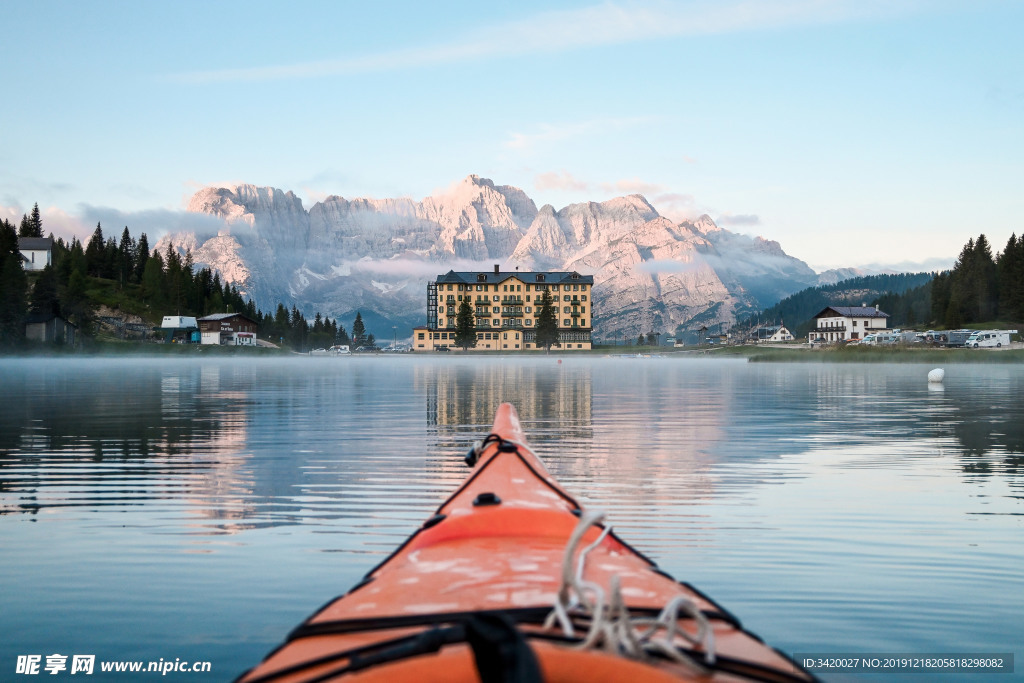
[863, 305]
[495, 268]
[876, 308]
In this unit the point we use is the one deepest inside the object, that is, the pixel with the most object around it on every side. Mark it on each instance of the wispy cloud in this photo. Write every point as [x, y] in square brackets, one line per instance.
[742, 219]
[559, 180]
[608, 23]
[547, 133]
[154, 222]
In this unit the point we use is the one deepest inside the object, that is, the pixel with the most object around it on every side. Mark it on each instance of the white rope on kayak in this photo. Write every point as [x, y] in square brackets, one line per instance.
[611, 625]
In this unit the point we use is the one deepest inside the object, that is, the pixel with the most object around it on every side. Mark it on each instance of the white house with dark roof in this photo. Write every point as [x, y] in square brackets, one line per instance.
[845, 323]
[771, 334]
[36, 252]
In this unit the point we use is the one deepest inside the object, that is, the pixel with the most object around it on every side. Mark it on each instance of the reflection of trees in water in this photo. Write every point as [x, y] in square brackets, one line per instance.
[136, 430]
[991, 438]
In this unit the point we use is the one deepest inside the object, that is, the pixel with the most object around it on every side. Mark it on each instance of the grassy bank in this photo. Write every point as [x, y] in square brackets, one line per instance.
[870, 354]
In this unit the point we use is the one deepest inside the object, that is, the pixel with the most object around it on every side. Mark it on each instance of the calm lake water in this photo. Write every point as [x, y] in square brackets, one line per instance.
[158, 508]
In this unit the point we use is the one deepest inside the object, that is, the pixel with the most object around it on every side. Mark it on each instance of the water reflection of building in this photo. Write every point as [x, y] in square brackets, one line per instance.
[469, 394]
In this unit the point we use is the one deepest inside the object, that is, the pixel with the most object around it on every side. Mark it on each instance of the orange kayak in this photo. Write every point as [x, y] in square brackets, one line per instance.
[511, 580]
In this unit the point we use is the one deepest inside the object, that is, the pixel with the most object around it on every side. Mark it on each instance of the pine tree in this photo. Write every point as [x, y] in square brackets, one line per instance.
[31, 225]
[36, 221]
[94, 254]
[13, 288]
[1010, 268]
[154, 289]
[141, 257]
[547, 323]
[465, 327]
[125, 258]
[358, 331]
[44, 297]
[77, 307]
[341, 336]
[281, 322]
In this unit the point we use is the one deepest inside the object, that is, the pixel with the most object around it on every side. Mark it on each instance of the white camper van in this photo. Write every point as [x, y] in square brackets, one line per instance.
[985, 338]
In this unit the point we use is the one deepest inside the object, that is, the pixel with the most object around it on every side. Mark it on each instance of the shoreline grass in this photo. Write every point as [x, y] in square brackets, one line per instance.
[870, 354]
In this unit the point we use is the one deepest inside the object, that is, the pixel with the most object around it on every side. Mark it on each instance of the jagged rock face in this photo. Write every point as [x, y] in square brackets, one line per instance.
[479, 221]
[377, 254]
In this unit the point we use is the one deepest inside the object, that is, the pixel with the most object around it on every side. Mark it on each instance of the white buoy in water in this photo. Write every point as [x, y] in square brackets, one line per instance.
[936, 376]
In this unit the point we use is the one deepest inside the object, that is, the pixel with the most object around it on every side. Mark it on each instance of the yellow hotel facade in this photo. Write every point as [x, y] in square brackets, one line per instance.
[506, 307]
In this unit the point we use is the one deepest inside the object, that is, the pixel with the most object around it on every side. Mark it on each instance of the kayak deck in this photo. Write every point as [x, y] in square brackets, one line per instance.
[511, 580]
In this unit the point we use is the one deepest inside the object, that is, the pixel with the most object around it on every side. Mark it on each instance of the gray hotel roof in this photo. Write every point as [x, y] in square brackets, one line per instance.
[854, 312]
[546, 277]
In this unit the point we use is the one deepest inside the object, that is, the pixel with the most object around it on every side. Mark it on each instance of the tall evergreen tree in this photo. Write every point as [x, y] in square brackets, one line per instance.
[141, 257]
[37, 221]
[1010, 268]
[77, 307]
[31, 225]
[94, 253]
[44, 298]
[125, 258]
[13, 288]
[465, 327]
[154, 286]
[547, 323]
[341, 336]
[358, 331]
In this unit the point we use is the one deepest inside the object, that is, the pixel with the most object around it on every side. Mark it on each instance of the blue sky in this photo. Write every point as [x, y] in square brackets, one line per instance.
[852, 132]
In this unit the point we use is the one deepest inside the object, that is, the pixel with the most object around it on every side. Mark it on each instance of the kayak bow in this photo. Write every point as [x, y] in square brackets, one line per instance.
[512, 580]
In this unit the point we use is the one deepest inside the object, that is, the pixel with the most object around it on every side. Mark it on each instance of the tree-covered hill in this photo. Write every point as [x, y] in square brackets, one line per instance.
[796, 312]
[125, 276]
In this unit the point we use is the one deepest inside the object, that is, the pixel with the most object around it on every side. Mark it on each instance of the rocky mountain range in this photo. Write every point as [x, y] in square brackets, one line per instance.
[376, 255]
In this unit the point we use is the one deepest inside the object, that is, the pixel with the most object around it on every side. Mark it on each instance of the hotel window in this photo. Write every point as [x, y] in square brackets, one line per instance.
[494, 323]
[529, 322]
[583, 322]
[566, 323]
[583, 297]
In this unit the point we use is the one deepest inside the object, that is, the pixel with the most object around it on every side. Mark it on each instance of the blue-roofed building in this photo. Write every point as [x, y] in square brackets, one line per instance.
[844, 323]
[506, 306]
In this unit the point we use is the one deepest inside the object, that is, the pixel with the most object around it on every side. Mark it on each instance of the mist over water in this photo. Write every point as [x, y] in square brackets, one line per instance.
[202, 508]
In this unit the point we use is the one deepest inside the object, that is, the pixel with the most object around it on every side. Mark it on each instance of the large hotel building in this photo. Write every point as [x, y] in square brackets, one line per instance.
[506, 307]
